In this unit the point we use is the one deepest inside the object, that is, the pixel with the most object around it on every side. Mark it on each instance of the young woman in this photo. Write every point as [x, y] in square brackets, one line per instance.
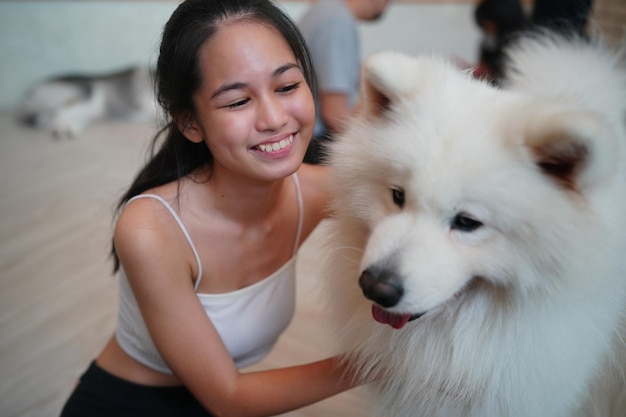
[206, 237]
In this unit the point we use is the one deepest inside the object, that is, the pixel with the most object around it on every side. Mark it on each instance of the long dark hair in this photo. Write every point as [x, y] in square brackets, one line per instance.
[178, 75]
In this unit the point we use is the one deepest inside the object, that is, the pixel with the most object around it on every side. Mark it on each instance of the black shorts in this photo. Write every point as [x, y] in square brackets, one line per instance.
[101, 394]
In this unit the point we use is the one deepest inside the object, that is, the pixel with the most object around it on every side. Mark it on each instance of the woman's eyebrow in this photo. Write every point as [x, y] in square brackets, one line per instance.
[284, 68]
[228, 87]
[239, 85]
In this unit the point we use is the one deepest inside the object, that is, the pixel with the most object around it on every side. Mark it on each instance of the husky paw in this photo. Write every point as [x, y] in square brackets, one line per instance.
[62, 127]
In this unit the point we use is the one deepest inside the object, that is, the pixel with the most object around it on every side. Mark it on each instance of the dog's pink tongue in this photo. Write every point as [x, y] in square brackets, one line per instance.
[397, 321]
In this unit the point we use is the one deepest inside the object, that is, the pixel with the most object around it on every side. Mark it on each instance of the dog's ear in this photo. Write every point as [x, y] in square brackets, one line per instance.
[577, 149]
[385, 78]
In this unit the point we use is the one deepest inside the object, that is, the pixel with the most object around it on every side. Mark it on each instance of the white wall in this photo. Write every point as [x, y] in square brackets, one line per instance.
[43, 38]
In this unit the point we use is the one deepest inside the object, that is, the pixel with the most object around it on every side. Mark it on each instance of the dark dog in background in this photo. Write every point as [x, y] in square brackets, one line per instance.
[66, 105]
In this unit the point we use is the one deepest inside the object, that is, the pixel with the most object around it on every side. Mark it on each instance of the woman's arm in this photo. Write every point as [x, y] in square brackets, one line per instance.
[272, 392]
[160, 266]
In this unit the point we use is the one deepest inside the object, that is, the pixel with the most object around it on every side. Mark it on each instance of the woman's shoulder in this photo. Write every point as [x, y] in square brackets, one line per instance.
[314, 186]
[151, 207]
[146, 221]
[314, 180]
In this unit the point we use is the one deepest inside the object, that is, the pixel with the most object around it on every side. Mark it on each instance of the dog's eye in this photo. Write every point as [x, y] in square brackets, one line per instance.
[398, 196]
[465, 223]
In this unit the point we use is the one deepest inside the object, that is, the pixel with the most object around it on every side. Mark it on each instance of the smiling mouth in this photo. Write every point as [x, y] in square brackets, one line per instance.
[276, 146]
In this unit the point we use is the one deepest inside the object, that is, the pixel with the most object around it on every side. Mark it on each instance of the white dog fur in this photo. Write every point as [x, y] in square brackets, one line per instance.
[501, 215]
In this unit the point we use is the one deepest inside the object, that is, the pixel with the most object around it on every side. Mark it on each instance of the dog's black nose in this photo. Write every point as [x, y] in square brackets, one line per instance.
[381, 286]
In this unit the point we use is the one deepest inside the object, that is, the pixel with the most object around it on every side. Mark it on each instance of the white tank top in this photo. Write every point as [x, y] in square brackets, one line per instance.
[249, 320]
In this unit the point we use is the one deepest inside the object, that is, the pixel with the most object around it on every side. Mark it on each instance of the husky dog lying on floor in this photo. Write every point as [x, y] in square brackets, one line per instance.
[66, 105]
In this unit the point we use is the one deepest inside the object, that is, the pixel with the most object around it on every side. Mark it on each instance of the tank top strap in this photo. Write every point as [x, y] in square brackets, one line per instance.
[182, 227]
[296, 183]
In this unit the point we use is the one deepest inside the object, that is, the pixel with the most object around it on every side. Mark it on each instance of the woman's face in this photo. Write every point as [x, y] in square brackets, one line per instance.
[254, 108]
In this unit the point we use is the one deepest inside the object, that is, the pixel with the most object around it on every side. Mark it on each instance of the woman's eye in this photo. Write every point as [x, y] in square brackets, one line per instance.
[398, 196]
[288, 88]
[465, 223]
[237, 103]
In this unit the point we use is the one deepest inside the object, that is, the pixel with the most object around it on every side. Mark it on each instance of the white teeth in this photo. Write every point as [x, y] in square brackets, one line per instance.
[277, 146]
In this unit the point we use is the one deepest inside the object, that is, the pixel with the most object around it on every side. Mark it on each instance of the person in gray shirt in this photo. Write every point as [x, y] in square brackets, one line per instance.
[330, 29]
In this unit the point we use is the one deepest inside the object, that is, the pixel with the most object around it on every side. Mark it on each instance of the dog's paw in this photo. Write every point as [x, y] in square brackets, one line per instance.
[66, 128]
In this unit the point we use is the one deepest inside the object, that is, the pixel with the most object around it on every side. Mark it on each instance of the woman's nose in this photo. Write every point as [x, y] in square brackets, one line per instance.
[271, 115]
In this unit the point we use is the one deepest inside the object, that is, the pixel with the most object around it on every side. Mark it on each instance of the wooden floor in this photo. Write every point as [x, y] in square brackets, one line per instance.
[58, 298]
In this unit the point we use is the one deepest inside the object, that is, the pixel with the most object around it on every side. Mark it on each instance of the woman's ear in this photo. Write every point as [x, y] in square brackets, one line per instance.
[187, 125]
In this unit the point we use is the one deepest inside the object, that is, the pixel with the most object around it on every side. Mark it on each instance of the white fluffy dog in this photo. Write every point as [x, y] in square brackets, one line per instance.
[477, 257]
